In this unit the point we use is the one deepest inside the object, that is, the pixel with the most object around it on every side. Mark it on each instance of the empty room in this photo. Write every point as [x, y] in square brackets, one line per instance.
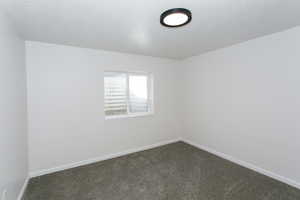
[149, 100]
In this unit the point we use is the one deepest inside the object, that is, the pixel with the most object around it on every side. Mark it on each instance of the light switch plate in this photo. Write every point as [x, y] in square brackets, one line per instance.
[3, 196]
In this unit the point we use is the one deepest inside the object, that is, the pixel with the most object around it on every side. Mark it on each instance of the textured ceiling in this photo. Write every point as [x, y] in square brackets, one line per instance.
[133, 26]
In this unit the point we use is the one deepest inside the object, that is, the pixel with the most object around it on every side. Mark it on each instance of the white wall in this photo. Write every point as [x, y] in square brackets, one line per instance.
[65, 105]
[13, 128]
[241, 100]
[244, 101]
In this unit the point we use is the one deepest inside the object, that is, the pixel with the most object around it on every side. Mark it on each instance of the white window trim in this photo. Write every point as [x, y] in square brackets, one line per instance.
[150, 97]
[144, 114]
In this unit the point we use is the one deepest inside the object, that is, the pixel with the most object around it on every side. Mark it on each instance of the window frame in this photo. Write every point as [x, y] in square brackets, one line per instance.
[150, 92]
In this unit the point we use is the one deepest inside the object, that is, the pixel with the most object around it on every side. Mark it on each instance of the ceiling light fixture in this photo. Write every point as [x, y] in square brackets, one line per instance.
[175, 17]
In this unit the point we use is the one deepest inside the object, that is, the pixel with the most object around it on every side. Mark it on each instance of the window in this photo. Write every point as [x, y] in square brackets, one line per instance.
[127, 94]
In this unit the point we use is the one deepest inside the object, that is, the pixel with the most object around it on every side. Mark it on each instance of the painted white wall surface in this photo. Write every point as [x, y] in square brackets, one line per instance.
[244, 101]
[65, 105]
[13, 117]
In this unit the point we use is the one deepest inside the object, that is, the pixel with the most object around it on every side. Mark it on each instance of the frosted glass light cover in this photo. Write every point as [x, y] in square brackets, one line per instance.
[176, 19]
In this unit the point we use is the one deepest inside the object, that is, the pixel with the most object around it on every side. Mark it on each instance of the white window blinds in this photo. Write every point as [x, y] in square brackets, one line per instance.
[127, 93]
[115, 94]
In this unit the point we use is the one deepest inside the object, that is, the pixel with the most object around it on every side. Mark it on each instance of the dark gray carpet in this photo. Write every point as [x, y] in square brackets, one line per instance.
[173, 172]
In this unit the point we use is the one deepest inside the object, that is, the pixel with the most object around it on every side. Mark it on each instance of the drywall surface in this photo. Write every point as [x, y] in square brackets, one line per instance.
[244, 101]
[13, 128]
[65, 105]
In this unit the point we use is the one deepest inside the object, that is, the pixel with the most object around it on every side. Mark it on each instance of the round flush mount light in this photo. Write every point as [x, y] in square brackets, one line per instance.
[175, 17]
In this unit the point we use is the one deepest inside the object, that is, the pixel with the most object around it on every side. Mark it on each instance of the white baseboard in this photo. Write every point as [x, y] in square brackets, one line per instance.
[98, 159]
[245, 164]
[23, 189]
[205, 148]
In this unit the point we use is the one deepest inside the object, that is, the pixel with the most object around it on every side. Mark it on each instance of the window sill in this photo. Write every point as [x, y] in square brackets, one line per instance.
[129, 116]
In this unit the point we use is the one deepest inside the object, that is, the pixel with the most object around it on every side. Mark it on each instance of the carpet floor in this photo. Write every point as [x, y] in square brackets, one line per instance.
[176, 171]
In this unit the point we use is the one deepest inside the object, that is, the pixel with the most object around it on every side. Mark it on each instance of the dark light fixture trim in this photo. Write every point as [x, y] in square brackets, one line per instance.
[175, 11]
